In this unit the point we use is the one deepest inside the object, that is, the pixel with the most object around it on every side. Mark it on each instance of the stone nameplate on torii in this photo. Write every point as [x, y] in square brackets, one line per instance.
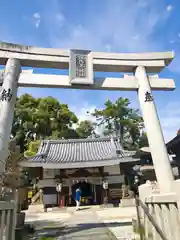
[81, 67]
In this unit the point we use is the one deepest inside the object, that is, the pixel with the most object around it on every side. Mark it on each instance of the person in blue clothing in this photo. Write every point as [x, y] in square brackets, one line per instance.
[78, 198]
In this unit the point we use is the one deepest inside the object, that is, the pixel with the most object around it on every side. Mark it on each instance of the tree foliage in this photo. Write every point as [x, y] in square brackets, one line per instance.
[86, 129]
[47, 118]
[122, 121]
[13, 176]
[32, 148]
[143, 141]
[37, 118]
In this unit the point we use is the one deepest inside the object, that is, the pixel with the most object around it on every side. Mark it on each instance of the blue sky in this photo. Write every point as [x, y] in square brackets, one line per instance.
[100, 25]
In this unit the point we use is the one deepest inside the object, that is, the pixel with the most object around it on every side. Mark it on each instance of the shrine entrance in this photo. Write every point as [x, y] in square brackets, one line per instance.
[82, 66]
[86, 188]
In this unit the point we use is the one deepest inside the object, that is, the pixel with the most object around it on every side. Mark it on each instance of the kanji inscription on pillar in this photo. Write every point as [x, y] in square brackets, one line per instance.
[81, 67]
[81, 63]
[6, 95]
[148, 97]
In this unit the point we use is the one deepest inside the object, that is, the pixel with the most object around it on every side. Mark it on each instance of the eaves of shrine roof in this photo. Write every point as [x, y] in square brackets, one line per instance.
[175, 142]
[77, 153]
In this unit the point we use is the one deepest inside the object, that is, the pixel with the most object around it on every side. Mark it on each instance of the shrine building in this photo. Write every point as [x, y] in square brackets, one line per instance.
[83, 163]
[146, 167]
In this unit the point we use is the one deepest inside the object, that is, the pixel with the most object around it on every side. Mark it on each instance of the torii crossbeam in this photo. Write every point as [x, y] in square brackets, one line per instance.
[82, 64]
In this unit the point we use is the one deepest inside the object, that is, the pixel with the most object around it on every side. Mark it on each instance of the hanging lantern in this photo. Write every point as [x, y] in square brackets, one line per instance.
[136, 180]
[58, 187]
[105, 184]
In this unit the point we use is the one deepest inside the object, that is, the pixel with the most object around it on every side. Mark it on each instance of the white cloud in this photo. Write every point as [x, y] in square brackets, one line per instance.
[124, 28]
[172, 41]
[169, 8]
[84, 113]
[37, 19]
[53, 19]
[136, 37]
[108, 47]
[143, 3]
[175, 64]
[60, 18]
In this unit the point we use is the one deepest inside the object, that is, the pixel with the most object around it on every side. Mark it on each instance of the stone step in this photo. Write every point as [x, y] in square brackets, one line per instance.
[127, 202]
[36, 208]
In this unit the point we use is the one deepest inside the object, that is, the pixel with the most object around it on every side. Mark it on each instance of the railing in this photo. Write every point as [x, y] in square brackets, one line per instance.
[8, 218]
[158, 218]
[7, 221]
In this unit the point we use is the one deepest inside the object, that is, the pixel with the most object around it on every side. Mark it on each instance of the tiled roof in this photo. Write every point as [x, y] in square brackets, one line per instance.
[90, 150]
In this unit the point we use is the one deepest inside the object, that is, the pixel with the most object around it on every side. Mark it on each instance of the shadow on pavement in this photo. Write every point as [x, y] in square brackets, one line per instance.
[56, 229]
[84, 208]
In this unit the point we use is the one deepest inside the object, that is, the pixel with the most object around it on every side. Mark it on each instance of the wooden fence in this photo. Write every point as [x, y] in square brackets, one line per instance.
[8, 210]
[158, 218]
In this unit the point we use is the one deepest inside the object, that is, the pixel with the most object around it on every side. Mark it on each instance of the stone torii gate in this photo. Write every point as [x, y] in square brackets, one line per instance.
[81, 64]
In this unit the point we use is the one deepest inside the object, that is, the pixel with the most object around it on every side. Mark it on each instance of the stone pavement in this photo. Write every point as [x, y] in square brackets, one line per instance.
[84, 224]
[88, 223]
[119, 221]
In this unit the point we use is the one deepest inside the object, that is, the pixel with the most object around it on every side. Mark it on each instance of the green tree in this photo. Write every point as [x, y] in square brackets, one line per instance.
[143, 140]
[86, 129]
[36, 118]
[121, 120]
[32, 148]
[23, 125]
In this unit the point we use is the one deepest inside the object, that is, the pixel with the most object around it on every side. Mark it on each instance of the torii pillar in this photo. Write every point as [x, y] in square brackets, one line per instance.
[8, 96]
[156, 141]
